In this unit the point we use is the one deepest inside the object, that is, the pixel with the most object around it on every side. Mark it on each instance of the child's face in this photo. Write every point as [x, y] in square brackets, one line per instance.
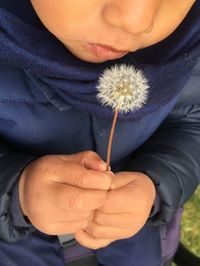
[121, 26]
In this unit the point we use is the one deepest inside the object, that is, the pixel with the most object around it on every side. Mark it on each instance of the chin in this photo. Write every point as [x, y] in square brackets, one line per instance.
[95, 61]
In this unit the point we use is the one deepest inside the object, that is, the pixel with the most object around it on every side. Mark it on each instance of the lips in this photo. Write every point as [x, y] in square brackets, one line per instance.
[105, 52]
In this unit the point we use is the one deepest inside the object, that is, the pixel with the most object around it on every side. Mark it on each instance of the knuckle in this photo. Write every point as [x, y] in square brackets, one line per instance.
[83, 180]
[87, 156]
[75, 201]
[98, 219]
[90, 154]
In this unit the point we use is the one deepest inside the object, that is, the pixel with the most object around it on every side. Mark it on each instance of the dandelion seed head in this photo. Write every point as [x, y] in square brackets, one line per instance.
[123, 88]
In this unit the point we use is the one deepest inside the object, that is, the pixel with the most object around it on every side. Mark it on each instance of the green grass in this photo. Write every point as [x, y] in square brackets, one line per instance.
[190, 227]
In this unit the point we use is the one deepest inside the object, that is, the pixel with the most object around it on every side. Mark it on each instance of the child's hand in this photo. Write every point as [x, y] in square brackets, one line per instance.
[125, 212]
[59, 193]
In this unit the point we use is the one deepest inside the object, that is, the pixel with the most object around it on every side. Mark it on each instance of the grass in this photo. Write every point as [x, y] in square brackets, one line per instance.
[190, 227]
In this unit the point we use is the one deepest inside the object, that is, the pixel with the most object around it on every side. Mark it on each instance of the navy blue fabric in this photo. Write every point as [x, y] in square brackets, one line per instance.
[15, 209]
[36, 249]
[141, 250]
[33, 124]
[42, 250]
[25, 43]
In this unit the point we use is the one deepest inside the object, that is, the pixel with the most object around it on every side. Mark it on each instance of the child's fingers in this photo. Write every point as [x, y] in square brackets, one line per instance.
[88, 241]
[108, 232]
[92, 160]
[78, 176]
[88, 159]
[121, 220]
[122, 179]
[62, 228]
[121, 200]
[69, 198]
[58, 215]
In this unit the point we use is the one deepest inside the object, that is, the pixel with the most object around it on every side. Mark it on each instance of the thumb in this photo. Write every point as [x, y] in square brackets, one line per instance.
[89, 159]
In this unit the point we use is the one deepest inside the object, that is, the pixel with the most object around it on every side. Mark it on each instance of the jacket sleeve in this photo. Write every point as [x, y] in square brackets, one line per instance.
[12, 162]
[171, 158]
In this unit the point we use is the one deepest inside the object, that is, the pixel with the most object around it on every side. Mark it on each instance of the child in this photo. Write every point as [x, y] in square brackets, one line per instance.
[54, 132]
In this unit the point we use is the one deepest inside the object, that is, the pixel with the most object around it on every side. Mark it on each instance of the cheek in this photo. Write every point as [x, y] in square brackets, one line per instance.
[65, 21]
[53, 16]
[164, 25]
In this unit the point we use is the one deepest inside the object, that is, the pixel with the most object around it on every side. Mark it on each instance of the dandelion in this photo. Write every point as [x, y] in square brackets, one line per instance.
[124, 89]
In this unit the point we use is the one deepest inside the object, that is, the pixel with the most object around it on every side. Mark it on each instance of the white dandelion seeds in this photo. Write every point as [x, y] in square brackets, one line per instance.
[123, 88]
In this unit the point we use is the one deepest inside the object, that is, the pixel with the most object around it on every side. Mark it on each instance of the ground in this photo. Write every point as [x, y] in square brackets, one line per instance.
[191, 223]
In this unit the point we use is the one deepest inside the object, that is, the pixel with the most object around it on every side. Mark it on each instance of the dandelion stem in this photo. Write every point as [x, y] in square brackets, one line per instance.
[111, 139]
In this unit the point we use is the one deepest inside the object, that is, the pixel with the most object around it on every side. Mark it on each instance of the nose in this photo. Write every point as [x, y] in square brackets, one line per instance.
[132, 16]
